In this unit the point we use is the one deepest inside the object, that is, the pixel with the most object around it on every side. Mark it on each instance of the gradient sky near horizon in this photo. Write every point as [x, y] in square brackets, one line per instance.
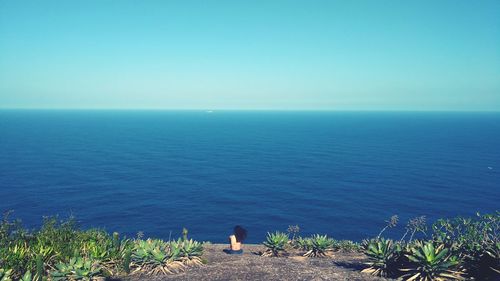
[270, 54]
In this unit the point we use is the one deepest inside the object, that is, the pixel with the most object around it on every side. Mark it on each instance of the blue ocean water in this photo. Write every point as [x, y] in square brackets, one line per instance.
[338, 173]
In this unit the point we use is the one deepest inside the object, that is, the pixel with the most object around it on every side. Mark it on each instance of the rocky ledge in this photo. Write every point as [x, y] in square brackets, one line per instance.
[251, 266]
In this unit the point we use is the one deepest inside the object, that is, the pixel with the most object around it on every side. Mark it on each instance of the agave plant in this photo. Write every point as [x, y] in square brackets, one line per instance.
[108, 249]
[50, 252]
[302, 243]
[473, 241]
[392, 222]
[488, 267]
[149, 255]
[432, 263]
[293, 230]
[319, 245]
[5, 274]
[120, 258]
[154, 256]
[95, 250]
[186, 251]
[493, 251]
[16, 257]
[275, 243]
[382, 255]
[348, 246]
[39, 268]
[116, 241]
[27, 277]
[127, 259]
[42, 255]
[77, 268]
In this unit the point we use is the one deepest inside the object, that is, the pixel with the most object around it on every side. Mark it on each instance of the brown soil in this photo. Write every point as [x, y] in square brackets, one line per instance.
[250, 266]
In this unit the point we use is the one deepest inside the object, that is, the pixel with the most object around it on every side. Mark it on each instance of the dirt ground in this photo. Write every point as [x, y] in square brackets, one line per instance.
[250, 266]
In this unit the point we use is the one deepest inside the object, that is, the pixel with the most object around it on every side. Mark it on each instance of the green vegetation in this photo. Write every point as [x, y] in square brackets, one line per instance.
[456, 249]
[59, 250]
[418, 261]
[280, 244]
[392, 222]
[76, 269]
[5, 274]
[318, 245]
[347, 246]
[275, 243]
[155, 256]
[450, 249]
[383, 256]
[301, 243]
[188, 251]
[432, 263]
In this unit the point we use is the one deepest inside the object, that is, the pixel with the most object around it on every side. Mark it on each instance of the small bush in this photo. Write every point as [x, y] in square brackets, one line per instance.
[347, 246]
[456, 248]
[301, 243]
[61, 251]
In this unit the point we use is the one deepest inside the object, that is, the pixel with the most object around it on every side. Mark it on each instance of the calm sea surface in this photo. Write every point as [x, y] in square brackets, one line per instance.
[341, 174]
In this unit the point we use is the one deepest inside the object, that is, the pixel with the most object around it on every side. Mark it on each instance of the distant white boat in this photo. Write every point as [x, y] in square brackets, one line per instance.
[209, 111]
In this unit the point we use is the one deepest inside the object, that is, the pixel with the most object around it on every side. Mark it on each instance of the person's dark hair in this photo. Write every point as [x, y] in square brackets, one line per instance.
[240, 233]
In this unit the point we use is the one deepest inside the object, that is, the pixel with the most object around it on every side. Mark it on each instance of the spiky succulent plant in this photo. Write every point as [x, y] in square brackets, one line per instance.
[319, 245]
[302, 243]
[187, 251]
[5, 274]
[348, 246]
[432, 263]
[275, 243]
[492, 251]
[77, 268]
[382, 257]
[155, 256]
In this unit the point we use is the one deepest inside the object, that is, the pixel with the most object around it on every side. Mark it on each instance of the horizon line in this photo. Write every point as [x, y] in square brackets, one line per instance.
[238, 109]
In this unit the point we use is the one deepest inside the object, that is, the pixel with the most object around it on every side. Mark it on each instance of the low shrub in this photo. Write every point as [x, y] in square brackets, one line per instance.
[456, 249]
[59, 250]
[301, 243]
[347, 246]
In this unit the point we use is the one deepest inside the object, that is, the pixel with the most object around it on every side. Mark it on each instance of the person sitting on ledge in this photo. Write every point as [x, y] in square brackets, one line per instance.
[235, 241]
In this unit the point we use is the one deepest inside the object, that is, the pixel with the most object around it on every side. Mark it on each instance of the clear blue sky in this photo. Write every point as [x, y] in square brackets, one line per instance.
[345, 55]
